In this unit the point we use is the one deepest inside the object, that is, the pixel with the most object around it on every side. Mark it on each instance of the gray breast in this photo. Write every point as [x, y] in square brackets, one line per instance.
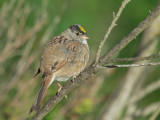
[62, 78]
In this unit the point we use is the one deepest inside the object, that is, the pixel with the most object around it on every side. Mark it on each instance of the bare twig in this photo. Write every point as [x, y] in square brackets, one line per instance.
[133, 59]
[113, 24]
[92, 69]
[132, 65]
[143, 25]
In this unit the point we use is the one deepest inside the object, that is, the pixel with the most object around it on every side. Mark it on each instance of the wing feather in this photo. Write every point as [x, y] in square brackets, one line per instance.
[57, 53]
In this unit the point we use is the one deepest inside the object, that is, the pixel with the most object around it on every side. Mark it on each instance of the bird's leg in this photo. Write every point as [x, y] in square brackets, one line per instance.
[60, 87]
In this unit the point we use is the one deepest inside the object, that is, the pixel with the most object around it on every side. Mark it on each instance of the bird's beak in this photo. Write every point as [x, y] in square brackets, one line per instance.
[85, 36]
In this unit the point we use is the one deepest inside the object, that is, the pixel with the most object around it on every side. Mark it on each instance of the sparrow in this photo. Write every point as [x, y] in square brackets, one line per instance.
[63, 57]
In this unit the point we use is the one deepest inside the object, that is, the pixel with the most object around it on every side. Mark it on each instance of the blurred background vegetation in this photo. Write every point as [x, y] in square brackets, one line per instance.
[25, 27]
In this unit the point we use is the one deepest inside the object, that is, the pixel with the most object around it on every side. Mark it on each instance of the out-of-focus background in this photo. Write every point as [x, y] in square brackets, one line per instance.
[127, 93]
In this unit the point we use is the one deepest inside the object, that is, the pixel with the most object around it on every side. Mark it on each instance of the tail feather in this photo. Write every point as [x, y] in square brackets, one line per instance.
[39, 99]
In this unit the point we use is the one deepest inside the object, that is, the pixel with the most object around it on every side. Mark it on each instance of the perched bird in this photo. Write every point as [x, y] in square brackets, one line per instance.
[64, 56]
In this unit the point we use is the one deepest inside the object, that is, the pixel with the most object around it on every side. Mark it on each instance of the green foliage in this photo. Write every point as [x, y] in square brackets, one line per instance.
[84, 107]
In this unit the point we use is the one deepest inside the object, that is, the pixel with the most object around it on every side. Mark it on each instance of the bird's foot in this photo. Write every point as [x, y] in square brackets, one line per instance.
[60, 87]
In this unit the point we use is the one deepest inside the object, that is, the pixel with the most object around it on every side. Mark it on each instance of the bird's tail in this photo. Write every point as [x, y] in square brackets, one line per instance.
[39, 99]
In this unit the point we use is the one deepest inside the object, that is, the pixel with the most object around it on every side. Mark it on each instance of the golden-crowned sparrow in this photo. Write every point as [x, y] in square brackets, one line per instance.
[64, 56]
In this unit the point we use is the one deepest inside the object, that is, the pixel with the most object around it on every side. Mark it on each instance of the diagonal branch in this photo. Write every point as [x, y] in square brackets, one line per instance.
[92, 69]
[113, 24]
[133, 59]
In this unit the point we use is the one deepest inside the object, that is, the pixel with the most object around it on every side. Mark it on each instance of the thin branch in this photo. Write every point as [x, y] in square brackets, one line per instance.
[131, 36]
[133, 59]
[131, 65]
[113, 24]
[92, 69]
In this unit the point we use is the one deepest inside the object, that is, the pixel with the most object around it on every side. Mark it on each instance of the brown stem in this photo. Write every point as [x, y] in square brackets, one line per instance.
[133, 59]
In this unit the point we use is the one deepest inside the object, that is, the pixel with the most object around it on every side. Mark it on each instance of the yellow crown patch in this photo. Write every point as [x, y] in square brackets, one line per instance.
[82, 29]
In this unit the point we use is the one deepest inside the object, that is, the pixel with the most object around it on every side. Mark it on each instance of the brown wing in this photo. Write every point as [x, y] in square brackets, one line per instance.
[57, 53]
